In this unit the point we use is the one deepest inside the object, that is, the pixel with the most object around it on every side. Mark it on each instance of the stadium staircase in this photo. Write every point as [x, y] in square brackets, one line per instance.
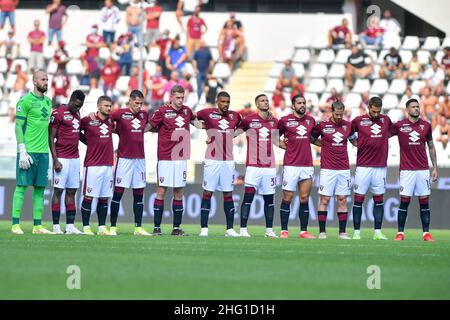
[247, 82]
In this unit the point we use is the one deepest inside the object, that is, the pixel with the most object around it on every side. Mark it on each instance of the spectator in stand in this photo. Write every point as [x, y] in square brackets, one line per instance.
[91, 69]
[237, 24]
[9, 49]
[188, 88]
[157, 83]
[408, 95]
[445, 62]
[299, 89]
[202, 63]
[278, 99]
[389, 24]
[163, 43]
[19, 89]
[36, 38]
[281, 111]
[125, 52]
[444, 107]
[231, 44]
[413, 68]
[364, 105]
[173, 81]
[61, 56]
[392, 67]
[372, 36]
[428, 104]
[58, 18]
[340, 35]
[356, 65]
[60, 85]
[153, 14]
[94, 42]
[110, 73]
[335, 96]
[288, 78]
[441, 132]
[195, 31]
[110, 17]
[133, 84]
[246, 110]
[434, 78]
[133, 20]
[176, 57]
[8, 10]
[186, 8]
[212, 88]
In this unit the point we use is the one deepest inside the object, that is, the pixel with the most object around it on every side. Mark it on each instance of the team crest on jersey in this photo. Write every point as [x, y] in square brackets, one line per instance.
[19, 108]
[185, 111]
[271, 123]
[255, 125]
[344, 127]
[170, 115]
[382, 120]
[127, 116]
[89, 190]
[215, 116]
[421, 126]
[68, 117]
[119, 180]
[161, 179]
[329, 130]
[292, 123]
[406, 129]
[52, 119]
[307, 122]
[366, 122]
[141, 115]
[231, 116]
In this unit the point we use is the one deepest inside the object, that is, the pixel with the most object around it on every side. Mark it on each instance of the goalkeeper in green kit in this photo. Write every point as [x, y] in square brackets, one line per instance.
[32, 121]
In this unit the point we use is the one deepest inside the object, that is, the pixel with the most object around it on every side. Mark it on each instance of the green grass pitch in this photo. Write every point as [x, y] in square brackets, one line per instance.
[166, 267]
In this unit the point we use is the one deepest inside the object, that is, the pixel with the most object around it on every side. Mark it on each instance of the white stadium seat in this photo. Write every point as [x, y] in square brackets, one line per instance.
[282, 56]
[411, 43]
[390, 101]
[319, 43]
[423, 57]
[337, 70]
[391, 41]
[10, 80]
[2, 80]
[446, 43]
[396, 115]
[431, 44]
[406, 56]
[324, 97]
[122, 83]
[24, 51]
[299, 69]
[150, 66]
[3, 65]
[221, 70]
[373, 54]
[310, 96]
[22, 62]
[276, 69]
[318, 70]
[104, 53]
[302, 56]
[52, 67]
[49, 52]
[361, 85]
[379, 87]
[417, 85]
[74, 66]
[438, 56]
[326, 56]
[316, 86]
[214, 53]
[342, 56]
[270, 85]
[302, 42]
[398, 86]
[153, 55]
[448, 87]
[338, 84]
[137, 54]
[381, 56]
[352, 100]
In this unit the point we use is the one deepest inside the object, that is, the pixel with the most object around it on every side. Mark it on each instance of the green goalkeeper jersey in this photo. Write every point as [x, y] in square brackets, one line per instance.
[35, 112]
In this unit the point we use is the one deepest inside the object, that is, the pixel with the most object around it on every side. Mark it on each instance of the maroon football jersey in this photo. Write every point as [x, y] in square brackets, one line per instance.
[298, 133]
[68, 132]
[98, 135]
[334, 153]
[373, 140]
[412, 138]
[130, 128]
[260, 134]
[174, 141]
[220, 129]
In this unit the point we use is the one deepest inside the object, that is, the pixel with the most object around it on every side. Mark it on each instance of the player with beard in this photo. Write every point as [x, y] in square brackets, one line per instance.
[373, 131]
[63, 141]
[412, 134]
[334, 167]
[298, 167]
[172, 121]
[31, 128]
[220, 124]
[260, 128]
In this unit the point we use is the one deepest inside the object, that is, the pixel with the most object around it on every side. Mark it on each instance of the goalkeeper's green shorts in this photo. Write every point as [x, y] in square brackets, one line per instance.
[37, 174]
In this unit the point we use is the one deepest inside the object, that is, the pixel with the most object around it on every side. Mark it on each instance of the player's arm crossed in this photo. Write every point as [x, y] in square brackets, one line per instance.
[432, 150]
[353, 139]
[315, 141]
[199, 124]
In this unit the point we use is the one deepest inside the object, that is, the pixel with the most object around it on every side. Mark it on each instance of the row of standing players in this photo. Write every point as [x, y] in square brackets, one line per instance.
[294, 133]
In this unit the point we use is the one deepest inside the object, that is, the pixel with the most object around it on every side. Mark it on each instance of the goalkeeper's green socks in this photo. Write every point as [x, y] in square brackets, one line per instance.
[19, 196]
[38, 205]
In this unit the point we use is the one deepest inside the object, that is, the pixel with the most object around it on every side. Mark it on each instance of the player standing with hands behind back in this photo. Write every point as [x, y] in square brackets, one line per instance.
[412, 134]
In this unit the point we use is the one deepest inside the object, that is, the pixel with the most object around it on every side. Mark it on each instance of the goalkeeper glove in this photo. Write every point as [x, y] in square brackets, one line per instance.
[25, 160]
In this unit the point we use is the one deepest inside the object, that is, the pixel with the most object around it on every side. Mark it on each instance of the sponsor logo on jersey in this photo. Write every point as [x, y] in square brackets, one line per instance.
[127, 116]
[215, 116]
[179, 121]
[75, 124]
[414, 137]
[366, 122]
[292, 123]
[170, 115]
[263, 134]
[301, 131]
[329, 130]
[406, 128]
[375, 129]
[338, 138]
[68, 117]
[255, 125]
[104, 130]
[224, 124]
[136, 125]
[94, 123]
